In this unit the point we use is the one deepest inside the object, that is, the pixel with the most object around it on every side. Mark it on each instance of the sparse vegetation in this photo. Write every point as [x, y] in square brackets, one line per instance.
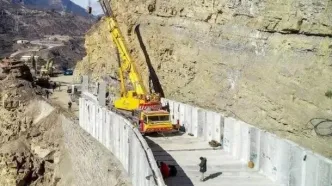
[328, 94]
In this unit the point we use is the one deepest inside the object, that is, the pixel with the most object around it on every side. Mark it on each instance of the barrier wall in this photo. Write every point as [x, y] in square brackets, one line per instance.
[281, 160]
[119, 136]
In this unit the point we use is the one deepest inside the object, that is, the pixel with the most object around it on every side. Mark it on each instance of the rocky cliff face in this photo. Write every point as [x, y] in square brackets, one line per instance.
[268, 63]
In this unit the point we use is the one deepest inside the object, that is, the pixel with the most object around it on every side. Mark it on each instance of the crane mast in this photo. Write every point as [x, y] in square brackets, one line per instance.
[145, 107]
[138, 98]
[126, 63]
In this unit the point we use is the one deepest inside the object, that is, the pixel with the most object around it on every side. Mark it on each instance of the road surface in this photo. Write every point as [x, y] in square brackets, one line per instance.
[61, 96]
[184, 152]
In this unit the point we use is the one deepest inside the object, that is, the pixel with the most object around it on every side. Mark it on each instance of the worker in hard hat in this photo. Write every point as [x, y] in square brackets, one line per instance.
[202, 167]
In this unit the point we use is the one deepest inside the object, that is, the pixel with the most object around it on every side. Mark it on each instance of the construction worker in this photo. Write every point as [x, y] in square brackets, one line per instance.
[69, 105]
[164, 169]
[172, 170]
[47, 93]
[54, 86]
[202, 167]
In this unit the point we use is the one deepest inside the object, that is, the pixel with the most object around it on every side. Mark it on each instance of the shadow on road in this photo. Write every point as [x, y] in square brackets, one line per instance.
[163, 135]
[212, 176]
[162, 155]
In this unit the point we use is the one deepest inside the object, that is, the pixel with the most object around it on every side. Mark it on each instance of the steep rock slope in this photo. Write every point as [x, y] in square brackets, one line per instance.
[268, 63]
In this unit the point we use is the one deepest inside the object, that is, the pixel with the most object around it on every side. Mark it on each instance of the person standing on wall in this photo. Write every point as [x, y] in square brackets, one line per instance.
[202, 167]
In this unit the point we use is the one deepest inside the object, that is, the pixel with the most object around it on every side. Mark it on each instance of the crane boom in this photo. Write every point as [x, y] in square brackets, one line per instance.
[138, 97]
[145, 107]
[126, 65]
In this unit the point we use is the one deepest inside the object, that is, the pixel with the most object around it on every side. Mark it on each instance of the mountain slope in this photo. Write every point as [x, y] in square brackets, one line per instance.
[20, 22]
[58, 5]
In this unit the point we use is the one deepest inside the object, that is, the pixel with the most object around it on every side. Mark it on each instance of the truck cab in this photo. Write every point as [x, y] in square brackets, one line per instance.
[154, 121]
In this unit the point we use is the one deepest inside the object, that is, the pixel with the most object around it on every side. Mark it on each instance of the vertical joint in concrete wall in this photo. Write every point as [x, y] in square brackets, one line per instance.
[102, 93]
[85, 83]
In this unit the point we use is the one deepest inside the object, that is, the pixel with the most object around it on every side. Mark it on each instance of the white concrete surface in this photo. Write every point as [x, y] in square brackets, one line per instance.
[222, 169]
[280, 160]
[120, 137]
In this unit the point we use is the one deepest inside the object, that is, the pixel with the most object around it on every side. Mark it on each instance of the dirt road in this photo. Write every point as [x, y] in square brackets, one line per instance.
[60, 95]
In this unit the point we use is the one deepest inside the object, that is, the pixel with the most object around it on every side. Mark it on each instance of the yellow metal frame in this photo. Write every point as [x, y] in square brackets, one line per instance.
[130, 100]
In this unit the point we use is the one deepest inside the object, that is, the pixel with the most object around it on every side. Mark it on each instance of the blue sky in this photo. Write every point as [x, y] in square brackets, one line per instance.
[96, 9]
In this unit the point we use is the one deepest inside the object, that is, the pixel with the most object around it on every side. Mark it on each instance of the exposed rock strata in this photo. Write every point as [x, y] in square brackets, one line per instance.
[268, 63]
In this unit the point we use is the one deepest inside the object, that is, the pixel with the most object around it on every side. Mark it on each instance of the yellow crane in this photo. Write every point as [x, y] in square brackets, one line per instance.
[48, 69]
[145, 106]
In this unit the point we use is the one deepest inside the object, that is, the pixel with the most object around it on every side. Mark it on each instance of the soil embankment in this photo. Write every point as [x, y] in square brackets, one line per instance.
[41, 144]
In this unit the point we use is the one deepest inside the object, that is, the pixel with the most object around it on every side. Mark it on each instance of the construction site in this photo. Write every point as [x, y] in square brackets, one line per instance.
[166, 93]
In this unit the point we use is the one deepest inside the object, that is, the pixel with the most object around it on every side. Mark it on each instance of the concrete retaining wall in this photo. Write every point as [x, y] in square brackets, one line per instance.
[281, 160]
[119, 136]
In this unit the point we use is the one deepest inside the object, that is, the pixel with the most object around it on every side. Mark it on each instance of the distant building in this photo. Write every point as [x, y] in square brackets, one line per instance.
[27, 58]
[22, 41]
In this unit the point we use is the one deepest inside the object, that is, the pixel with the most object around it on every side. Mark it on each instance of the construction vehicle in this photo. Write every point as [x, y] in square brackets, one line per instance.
[47, 70]
[145, 107]
[68, 72]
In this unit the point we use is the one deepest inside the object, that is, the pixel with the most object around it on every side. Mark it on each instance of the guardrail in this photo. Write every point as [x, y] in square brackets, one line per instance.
[281, 160]
[120, 137]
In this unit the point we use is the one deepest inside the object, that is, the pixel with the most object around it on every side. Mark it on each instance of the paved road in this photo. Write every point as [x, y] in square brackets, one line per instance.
[222, 169]
[184, 151]
[47, 43]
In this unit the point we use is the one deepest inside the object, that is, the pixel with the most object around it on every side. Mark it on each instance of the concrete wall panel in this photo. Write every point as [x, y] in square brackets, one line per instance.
[244, 146]
[210, 125]
[81, 111]
[119, 136]
[283, 159]
[216, 127]
[324, 176]
[187, 123]
[182, 114]
[267, 151]
[164, 102]
[176, 112]
[171, 110]
[296, 166]
[228, 135]
[194, 121]
[254, 146]
[201, 125]
[311, 170]
[107, 130]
